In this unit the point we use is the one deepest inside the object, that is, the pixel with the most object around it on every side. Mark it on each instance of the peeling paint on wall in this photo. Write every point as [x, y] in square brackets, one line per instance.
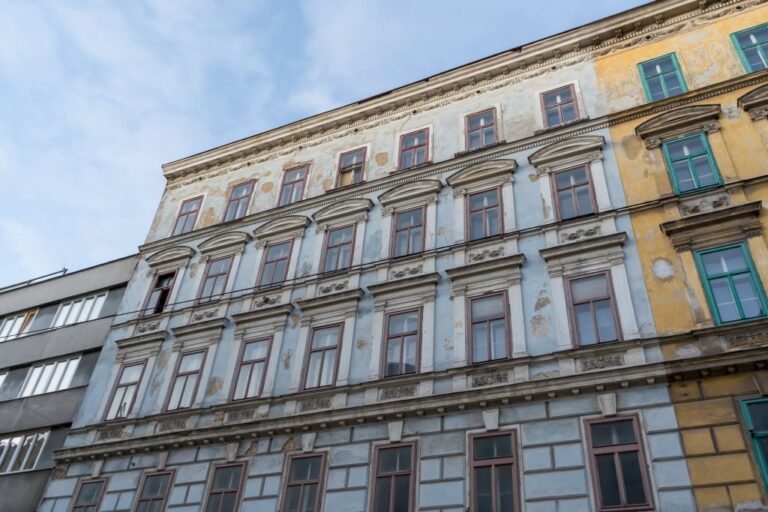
[214, 386]
[663, 269]
[361, 344]
[287, 359]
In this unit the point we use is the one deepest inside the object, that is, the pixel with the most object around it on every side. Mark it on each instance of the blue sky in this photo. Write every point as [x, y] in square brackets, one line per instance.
[96, 95]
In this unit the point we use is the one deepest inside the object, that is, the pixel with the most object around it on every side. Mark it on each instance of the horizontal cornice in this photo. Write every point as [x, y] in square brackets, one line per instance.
[638, 26]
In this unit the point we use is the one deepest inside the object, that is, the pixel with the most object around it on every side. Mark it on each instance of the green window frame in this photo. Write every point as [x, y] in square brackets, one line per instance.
[665, 78]
[690, 162]
[758, 434]
[743, 292]
[753, 53]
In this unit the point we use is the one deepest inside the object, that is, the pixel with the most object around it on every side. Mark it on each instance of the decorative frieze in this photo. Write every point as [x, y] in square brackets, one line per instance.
[580, 233]
[748, 339]
[240, 415]
[330, 287]
[397, 392]
[489, 379]
[487, 253]
[601, 362]
[406, 271]
[109, 433]
[170, 425]
[315, 403]
[704, 204]
[716, 227]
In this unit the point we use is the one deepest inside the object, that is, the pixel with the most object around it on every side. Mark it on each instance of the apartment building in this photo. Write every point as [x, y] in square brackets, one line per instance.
[51, 333]
[495, 289]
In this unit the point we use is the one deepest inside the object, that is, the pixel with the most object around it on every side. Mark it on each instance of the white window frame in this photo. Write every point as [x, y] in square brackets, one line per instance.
[4, 453]
[17, 325]
[37, 377]
[94, 310]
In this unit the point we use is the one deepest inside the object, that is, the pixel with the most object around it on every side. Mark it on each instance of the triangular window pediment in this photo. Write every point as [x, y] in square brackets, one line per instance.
[755, 102]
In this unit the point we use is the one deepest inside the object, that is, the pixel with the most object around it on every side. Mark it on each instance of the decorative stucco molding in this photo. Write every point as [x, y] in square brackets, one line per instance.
[231, 241]
[336, 305]
[172, 257]
[409, 194]
[569, 152]
[484, 174]
[139, 347]
[572, 258]
[679, 121]
[262, 320]
[342, 212]
[199, 335]
[504, 271]
[716, 227]
[288, 227]
[404, 290]
[755, 102]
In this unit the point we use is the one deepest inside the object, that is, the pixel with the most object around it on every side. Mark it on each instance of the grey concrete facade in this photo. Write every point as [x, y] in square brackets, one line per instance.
[47, 411]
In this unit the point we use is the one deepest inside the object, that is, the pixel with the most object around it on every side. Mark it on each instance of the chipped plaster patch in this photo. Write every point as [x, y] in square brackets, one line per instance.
[663, 269]
[533, 177]
[214, 386]
[382, 158]
[287, 359]
[361, 344]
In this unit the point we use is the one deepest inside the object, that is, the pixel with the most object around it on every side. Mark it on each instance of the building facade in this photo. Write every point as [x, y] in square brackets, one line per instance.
[477, 292]
[51, 332]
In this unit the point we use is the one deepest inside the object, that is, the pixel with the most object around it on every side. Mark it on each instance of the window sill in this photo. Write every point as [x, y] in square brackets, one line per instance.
[480, 149]
[560, 126]
[413, 167]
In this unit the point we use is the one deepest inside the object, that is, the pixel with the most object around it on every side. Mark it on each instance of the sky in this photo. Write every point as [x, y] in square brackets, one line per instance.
[96, 95]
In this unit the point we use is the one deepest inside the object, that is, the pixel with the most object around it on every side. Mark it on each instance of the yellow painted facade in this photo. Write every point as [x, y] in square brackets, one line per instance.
[724, 470]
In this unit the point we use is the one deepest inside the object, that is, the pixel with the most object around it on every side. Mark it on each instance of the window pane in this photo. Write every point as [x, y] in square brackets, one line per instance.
[589, 288]
[409, 219]
[724, 300]
[609, 482]
[726, 260]
[504, 488]
[494, 226]
[131, 373]
[612, 433]
[394, 459]
[255, 350]
[758, 413]
[568, 112]
[326, 337]
[566, 204]
[484, 199]
[155, 486]
[656, 89]
[313, 370]
[24, 448]
[305, 468]
[403, 322]
[415, 240]
[58, 373]
[227, 477]
[329, 367]
[585, 325]
[411, 344]
[393, 357]
[584, 200]
[89, 493]
[748, 299]
[189, 389]
[292, 497]
[633, 478]
[684, 176]
[37, 447]
[383, 493]
[553, 117]
[480, 343]
[487, 308]
[191, 362]
[606, 326]
[483, 489]
[402, 493]
[498, 339]
[492, 447]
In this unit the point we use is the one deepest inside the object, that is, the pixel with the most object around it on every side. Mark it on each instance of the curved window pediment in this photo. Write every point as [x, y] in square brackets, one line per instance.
[678, 122]
[573, 150]
[281, 226]
[411, 193]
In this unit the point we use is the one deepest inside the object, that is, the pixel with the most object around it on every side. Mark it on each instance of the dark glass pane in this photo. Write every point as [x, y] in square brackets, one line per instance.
[505, 496]
[612, 433]
[755, 60]
[704, 171]
[408, 219]
[227, 477]
[402, 493]
[584, 200]
[483, 490]
[484, 199]
[674, 86]
[758, 413]
[633, 478]
[383, 492]
[89, 492]
[569, 112]
[566, 206]
[401, 243]
[489, 135]
[494, 226]
[309, 498]
[762, 443]
[214, 503]
[498, 339]
[553, 117]
[229, 502]
[726, 260]
[394, 459]
[492, 447]
[403, 322]
[480, 342]
[292, 497]
[155, 485]
[474, 140]
[415, 240]
[609, 482]
[477, 226]
[656, 89]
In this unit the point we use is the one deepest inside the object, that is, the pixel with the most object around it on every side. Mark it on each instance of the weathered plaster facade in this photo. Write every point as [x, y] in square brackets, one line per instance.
[542, 386]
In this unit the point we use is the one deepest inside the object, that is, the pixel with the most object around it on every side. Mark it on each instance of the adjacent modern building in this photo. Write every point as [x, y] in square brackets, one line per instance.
[534, 282]
[51, 333]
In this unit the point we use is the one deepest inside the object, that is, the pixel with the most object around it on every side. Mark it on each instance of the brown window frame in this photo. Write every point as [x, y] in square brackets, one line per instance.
[238, 491]
[214, 296]
[239, 201]
[252, 363]
[412, 474]
[186, 375]
[471, 323]
[401, 149]
[470, 211]
[574, 100]
[145, 310]
[264, 264]
[468, 132]
[385, 346]
[74, 507]
[572, 308]
[179, 215]
[292, 184]
[351, 168]
[320, 480]
[589, 185]
[514, 461]
[615, 449]
[117, 386]
[326, 247]
[310, 351]
[395, 231]
[162, 499]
